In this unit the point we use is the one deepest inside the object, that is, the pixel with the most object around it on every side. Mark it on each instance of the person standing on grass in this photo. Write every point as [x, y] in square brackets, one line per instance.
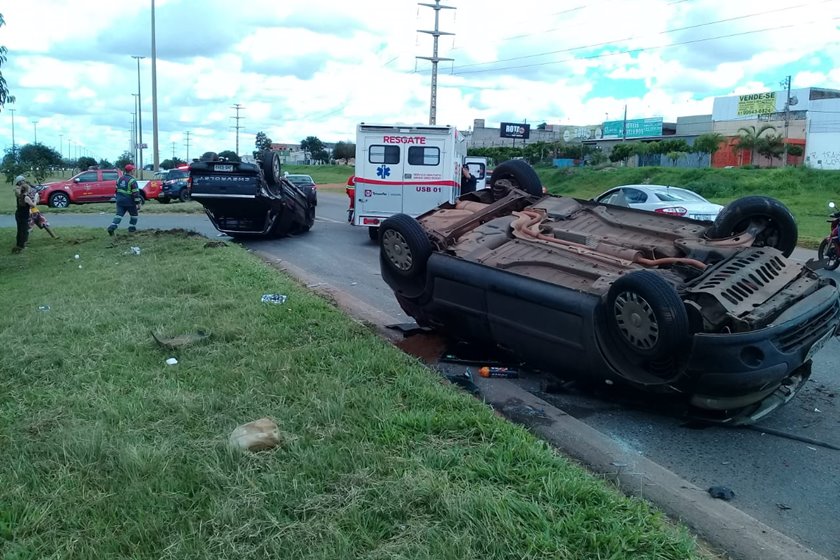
[128, 200]
[23, 203]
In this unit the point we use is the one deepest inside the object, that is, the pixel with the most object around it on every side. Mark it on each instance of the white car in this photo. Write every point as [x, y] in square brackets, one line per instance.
[663, 200]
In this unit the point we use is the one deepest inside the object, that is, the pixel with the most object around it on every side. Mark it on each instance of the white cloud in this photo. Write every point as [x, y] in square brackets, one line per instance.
[319, 67]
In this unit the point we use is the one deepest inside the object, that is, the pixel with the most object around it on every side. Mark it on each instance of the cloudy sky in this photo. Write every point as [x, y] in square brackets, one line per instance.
[319, 67]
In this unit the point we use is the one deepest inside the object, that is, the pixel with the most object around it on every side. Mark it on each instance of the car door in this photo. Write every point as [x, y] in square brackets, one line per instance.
[106, 187]
[83, 186]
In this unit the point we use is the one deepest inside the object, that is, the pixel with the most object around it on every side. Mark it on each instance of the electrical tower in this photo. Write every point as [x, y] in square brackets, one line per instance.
[237, 106]
[436, 33]
[188, 146]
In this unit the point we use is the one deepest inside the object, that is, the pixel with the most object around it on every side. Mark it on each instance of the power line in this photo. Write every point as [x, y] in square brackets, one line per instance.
[634, 37]
[643, 49]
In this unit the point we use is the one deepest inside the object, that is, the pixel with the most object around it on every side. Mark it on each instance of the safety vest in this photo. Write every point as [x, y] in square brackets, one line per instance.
[126, 185]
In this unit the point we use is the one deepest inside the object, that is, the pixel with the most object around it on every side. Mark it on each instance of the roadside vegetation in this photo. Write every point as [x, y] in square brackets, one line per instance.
[111, 453]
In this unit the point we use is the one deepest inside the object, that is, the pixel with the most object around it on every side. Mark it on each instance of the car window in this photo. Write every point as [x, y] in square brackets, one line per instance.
[159, 176]
[423, 155]
[89, 177]
[110, 175]
[177, 174]
[635, 196]
[679, 195]
[384, 154]
[608, 197]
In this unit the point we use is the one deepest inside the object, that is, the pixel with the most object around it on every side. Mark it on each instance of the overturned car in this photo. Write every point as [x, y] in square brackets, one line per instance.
[712, 312]
[245, 199]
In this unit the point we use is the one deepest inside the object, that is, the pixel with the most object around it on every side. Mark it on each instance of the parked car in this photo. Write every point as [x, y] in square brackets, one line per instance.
[175, 185]
[93, 185]
[663, 200]
[712, 314]
[306, 184]
[152, 189]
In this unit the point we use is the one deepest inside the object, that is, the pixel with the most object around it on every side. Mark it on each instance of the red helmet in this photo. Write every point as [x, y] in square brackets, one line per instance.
[129, 167]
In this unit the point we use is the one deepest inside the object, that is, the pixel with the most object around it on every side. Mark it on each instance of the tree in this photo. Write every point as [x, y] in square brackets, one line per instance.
[772, 147]
[11, 166]
[314, 147]
[229, 155]
[5, 97]
[126, 157]
[105, 164]
[36, 159]
[262, 144]
[708, 143]
[749, 136]
[172, 163]
[344, 150]
[622, 151]
[84, 162]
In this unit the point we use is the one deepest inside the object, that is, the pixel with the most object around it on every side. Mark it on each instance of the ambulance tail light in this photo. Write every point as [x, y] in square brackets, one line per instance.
[370, 221]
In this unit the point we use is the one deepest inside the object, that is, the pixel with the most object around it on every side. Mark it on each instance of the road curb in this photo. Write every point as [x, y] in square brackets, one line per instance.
[724, 526]
[719, 523]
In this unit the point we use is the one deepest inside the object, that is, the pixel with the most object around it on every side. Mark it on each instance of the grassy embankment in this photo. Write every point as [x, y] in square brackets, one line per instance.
[110, 453]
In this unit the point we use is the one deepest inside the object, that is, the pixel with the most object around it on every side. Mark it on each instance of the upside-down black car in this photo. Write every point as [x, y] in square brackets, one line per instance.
[712, 312]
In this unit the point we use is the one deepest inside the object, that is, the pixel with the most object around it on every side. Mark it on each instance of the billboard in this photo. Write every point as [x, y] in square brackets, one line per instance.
[515, 130]
[636, 128]
[757, 103]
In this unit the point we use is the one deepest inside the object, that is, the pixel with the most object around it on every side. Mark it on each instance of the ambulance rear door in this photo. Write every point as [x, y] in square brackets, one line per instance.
[428, 172]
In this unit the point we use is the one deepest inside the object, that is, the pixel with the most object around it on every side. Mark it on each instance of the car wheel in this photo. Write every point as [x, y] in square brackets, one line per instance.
[164, 200]
[828, 251]
[646, 315]
[404, 246]
[184, 195]
[209, 156]
[519, 174]
[373, 233]
[271, 168]
[59, 200]
[143, 196]
[768, 219]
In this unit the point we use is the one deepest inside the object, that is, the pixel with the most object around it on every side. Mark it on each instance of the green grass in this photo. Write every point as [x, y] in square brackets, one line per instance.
[110, 453]
[323, 174]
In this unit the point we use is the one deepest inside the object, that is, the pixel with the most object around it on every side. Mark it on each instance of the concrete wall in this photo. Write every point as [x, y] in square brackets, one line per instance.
[822, 150]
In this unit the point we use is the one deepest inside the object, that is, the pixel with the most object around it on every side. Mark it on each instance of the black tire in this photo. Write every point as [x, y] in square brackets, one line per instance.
[646, 316]
[521, 175]
[209, 156]
[271, 168]
[404, 246]
[164, 200]
[59, 200]
[143, 196]
[373, 233]
[829, 252]
[768, 219]
[184, 195]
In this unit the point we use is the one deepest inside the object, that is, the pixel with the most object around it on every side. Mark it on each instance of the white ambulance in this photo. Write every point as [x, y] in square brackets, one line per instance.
[408, 169]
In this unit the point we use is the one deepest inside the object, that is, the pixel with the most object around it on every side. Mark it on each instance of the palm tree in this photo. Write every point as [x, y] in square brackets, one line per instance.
[708, 143]
[750, 137]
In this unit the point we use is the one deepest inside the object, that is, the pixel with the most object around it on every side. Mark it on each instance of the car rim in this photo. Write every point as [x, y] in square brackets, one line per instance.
[636, 320]
[61, 202]
[396, 249]
[275, 167]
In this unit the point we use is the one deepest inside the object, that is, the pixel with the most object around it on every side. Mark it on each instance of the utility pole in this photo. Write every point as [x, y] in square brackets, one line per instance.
[139, 116]
[188, 146]
[35, 125]
[12, 111]
[786, 83]
[154, 96]
[237, 106]
[624, 126]
[173, 150]
[436, 33]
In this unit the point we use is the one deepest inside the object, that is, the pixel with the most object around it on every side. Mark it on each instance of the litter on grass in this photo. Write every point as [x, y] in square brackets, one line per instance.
[274, 298]
[43, 308]
[180, 340]
[171, 361]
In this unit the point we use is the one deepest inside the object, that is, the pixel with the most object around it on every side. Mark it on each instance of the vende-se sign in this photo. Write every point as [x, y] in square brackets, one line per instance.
[515, 130]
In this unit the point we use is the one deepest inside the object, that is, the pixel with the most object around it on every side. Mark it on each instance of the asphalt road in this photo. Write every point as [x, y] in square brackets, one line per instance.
[788, 484]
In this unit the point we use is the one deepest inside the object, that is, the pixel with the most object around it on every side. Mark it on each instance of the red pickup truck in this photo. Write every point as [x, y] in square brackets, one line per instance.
[93, 185]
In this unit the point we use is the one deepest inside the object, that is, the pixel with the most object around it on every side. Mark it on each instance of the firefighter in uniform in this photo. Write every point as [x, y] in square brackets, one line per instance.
[128, 200]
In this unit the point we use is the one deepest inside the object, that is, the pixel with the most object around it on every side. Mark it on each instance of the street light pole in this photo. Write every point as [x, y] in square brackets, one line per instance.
[154, 94]
[12, 111]
[135, 143]
[35, 125]
[139, 115]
